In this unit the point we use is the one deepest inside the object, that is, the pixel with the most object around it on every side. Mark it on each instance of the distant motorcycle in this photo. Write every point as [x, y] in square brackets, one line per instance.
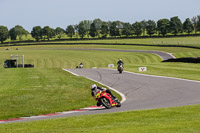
[120, 68]
[106, 100]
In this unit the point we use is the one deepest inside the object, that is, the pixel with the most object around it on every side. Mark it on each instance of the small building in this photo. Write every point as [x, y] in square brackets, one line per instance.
[14, 62]
[10, 63]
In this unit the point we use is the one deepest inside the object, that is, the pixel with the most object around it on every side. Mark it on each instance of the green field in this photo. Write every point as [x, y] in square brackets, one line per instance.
[47, 88]
[178, 41]
[185, 41]
[58, 56]
[167, 120]
[28, 92]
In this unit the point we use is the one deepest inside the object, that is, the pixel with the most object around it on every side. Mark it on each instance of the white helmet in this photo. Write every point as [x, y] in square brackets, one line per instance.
[120, 59]
[93, 87]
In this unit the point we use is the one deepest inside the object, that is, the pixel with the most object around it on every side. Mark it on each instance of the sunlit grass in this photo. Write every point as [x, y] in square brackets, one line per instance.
[178, 41]
[27, 92]
[46, 88]
[167, 120]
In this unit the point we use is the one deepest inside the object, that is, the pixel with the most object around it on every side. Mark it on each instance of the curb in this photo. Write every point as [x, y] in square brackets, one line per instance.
[51, 114]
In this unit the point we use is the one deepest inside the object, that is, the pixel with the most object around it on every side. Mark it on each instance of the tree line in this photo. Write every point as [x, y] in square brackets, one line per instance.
[101, 29]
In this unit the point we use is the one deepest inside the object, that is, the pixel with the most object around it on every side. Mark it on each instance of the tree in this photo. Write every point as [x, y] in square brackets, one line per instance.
[13, 34]
[48, 32]
[176, 25]
[59, 32]
[93, 30]
[98, 23]
[127, 29]
[81, 29]
[163, 26]
[37, 33]
[84, 28]
[119, 27]
[143, 24]
[76, 30]
[198, 23]
[20, 31]
[86, 25]
[109, 23]
[187, 26]
[151, 27]
[137, 28]
[70, 31]
[104, 29]
[17, 31]
[194, 22]
[114, 30]
[4, 33]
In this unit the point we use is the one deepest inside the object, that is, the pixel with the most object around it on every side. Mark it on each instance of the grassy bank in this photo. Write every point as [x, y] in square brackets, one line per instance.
[167, 120]
[194, 41]
[28, 92]
[177, 41]
[58, 56]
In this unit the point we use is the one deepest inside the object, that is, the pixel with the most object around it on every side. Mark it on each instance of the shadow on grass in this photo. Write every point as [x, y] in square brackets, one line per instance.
[185, 60]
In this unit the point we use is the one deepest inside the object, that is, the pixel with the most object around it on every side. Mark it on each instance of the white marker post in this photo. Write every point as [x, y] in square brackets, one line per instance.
[142, 69]
[111, 65]
[23, 60]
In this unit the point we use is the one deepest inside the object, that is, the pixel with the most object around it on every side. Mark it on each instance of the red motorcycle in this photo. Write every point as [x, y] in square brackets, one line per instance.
[106, 100]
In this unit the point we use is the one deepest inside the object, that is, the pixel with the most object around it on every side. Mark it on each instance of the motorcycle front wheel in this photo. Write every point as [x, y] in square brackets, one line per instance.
[105, 102]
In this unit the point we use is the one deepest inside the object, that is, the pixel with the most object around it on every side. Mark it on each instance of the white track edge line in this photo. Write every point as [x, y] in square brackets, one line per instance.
[157, 76]
[70, 72]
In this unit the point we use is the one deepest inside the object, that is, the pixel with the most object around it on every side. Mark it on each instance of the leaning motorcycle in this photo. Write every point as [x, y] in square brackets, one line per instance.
[120, 68]
[106, 100]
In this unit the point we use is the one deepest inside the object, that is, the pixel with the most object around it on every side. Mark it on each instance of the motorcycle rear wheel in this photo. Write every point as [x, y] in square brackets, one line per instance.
[118, 104]
[120, 70]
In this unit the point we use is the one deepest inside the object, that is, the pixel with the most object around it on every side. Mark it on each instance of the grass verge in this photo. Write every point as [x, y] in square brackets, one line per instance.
[29, 92]
[177, 41]
[167, 120]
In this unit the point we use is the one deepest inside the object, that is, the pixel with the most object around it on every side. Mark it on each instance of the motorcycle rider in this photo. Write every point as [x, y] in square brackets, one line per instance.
[120, 62]
[81, 65]
[95, 89]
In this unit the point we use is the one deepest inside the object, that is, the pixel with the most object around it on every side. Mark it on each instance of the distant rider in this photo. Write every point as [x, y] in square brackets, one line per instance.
[95, 89]
[81, 65]
[120, 62]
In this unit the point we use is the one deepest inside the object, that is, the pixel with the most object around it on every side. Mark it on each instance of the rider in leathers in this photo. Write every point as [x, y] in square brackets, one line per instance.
[119, 63]
[95, 89]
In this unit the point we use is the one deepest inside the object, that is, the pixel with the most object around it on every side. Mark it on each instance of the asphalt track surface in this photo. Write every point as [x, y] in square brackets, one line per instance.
[163, 55]
[145, 91]
[140, 91]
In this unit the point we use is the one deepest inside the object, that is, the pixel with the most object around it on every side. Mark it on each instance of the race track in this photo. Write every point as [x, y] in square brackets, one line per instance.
[141, 92]
[162, 55]
[145, 91]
